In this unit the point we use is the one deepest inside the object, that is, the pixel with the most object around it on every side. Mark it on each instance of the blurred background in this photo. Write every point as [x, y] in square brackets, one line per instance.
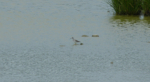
[35, 44]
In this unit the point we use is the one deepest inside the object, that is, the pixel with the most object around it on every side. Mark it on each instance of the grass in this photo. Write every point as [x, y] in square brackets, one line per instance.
[127, 7]
[146, 7]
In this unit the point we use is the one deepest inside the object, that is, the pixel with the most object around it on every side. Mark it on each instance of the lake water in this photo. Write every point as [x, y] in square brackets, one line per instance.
[35, 44]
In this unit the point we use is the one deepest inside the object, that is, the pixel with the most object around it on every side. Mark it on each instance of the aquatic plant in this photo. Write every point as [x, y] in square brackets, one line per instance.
[126, 7]
[146, 7]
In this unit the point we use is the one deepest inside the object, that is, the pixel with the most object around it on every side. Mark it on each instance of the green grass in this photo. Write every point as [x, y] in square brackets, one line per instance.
[127, 7]
[146, 7]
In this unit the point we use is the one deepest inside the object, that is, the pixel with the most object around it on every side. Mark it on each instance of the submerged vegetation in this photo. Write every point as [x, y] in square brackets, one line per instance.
[131, 7]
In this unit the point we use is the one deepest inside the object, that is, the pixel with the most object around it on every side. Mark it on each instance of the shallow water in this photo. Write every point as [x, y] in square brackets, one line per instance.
[36, 45]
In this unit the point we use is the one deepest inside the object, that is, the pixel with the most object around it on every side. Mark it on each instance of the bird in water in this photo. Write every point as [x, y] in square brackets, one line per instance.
[76, 41]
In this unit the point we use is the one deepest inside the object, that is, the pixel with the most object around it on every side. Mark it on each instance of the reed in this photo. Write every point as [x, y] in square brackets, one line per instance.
[126, 7]
[146, 7]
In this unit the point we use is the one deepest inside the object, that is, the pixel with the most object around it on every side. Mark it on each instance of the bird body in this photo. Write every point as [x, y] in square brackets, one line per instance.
[76, 41]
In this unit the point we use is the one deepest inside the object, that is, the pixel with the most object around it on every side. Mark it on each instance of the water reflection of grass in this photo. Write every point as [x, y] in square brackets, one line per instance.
[132, 19]
[129, 20]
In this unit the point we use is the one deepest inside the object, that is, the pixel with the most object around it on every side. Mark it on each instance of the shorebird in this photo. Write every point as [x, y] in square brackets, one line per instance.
[76, 41]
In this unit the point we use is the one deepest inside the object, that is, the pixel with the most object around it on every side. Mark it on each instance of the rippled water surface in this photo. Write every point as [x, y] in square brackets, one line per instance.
[35, 44]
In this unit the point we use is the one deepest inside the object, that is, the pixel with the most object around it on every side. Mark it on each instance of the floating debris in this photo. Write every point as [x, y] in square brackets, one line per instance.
[149, 42]
[62, 45]
[85, 36]
[111, 62]
[81, 43]
[95, 35]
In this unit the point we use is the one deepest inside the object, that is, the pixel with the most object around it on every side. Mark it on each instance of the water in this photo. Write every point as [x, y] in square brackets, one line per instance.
[36, 45]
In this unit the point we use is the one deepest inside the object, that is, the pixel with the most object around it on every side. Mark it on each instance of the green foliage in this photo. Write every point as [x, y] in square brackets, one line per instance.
[127, 7]
[146, 7]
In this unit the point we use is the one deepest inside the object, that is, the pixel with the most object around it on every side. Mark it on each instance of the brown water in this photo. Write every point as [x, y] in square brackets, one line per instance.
[36, 45]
